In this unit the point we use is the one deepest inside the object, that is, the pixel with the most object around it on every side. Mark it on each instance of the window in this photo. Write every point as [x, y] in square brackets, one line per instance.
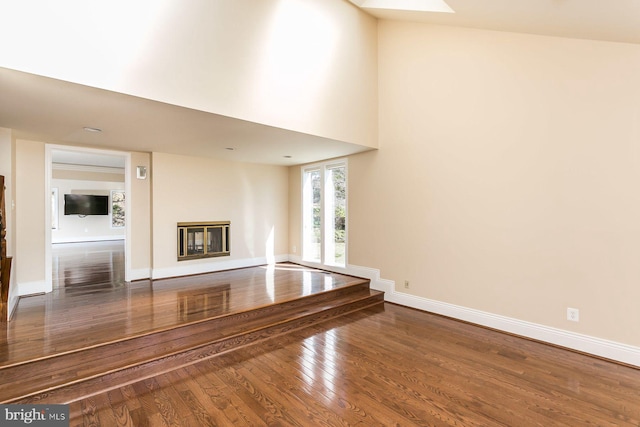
[54, 209]
[324, 213]
[117, 208]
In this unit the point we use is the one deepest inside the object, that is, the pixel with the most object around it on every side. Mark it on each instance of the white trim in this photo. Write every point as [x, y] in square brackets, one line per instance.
[13, 296]
[48, 159]
[218, 264]
[323, 167]
[584, 343]
[48, 262]
[11, 306]
[140, 274]
[128, 220]
[32, 288]
[88, 239]
[55, 208]
[88, 168]
[297, 259]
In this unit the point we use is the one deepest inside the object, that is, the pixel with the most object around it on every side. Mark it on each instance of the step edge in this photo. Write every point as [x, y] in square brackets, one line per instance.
[374, 301]
[349, 287]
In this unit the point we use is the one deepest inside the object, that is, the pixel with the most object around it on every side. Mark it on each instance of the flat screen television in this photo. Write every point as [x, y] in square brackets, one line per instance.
[85, 204]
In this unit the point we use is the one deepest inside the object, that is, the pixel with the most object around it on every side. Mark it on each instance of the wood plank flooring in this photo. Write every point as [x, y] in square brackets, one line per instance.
[100, 335]
[384, 366]
[91, 305]
[73, 376]
[380, 367]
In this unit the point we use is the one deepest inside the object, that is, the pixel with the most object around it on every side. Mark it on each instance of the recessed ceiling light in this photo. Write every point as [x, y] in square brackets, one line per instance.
[230, 148]
[412, 5]
[287, 157]
[90, 129]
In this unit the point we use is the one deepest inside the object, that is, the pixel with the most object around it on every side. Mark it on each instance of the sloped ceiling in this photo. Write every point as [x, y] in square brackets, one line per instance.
[56, 111]
[611, 20]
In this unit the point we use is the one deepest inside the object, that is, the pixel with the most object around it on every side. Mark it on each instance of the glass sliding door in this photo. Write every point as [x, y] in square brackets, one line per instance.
[335, 215]
[311, 216]
[324, 216]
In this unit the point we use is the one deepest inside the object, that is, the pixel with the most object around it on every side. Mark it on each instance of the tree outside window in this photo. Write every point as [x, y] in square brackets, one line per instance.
[54, 208]
[324, 213]
[117, 208]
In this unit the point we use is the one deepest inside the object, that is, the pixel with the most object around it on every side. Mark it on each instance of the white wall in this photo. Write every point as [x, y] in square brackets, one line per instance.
[505, 188]
[30, 199]
[253, 197]
[178, 188]
[73, 228]
[303, 65]
[29, 220]
[139, 215]
[507, 176]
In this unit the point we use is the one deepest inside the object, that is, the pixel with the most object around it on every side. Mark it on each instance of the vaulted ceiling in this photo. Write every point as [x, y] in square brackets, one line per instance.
[42, 108]
[611, 20]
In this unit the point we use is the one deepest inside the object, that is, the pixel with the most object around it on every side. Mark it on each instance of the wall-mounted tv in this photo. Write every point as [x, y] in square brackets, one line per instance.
[85, 204]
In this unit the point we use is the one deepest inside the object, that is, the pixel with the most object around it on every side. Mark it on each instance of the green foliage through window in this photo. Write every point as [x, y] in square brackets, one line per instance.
[117, 209]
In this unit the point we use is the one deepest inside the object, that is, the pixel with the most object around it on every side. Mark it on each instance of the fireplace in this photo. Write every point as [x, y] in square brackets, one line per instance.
[203, 239]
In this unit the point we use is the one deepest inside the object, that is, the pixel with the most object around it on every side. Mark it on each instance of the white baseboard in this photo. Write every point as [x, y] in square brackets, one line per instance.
[572, 340]
[140, 274]
[82, 239]
[216, 264]
[296, 259]
[11, 306]
[584, 343]
[32, 288]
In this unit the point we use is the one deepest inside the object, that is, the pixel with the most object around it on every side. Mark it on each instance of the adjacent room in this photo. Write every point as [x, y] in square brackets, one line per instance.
[87, 220]
[335, 212]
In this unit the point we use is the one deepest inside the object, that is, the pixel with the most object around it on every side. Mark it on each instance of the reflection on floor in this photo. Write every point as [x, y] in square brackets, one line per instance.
[88, 266]
[91, 304]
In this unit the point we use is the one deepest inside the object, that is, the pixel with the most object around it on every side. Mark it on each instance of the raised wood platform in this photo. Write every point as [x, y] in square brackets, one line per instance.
[89, 340]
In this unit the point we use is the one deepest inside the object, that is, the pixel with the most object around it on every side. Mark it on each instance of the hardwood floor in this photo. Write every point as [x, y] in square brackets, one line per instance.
[91, 305]
[391, 366]
[88, 267]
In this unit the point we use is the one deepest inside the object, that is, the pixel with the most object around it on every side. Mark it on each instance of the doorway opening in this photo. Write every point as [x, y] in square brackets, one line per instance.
[89, 239]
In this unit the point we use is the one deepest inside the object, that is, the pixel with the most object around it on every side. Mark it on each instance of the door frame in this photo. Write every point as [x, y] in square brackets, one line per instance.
[49, 149]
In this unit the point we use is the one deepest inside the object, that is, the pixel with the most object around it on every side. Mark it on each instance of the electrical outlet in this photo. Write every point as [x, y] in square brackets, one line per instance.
[294, 249]
[406, 284]
[573, 314]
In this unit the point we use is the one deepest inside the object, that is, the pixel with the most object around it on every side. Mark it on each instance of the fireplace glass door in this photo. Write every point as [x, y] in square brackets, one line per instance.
[202, 240]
